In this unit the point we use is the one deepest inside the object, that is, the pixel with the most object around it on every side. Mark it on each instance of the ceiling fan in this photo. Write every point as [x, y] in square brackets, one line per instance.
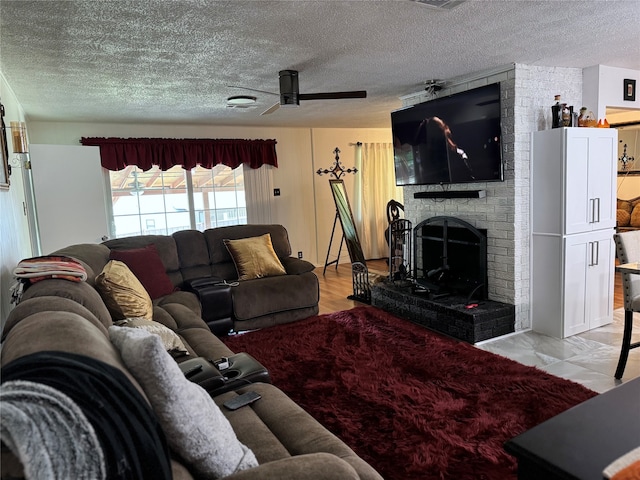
[290, 95]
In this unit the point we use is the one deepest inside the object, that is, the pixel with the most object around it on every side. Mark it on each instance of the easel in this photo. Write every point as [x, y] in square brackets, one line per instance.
[333, 231]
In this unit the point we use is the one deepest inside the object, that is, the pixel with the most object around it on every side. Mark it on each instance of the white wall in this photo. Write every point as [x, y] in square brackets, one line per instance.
[305, 206]
[603, 87]
[325, 141]
[14, 232]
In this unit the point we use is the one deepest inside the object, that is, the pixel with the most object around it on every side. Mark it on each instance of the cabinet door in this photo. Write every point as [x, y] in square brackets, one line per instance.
[602, 181]
[588, 286]
[600, 272]
[590, 180]
[576, 259]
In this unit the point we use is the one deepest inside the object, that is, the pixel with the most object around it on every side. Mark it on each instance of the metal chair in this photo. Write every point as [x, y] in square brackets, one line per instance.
[628, 250]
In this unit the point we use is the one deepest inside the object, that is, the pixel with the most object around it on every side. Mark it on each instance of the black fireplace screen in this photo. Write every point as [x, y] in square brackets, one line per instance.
[450, 257]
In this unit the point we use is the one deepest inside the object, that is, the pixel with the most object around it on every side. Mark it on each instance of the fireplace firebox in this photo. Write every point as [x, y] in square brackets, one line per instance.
[450, 258]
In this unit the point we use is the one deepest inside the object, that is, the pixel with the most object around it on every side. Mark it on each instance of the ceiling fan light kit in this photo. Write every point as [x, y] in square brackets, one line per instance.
[238, 100]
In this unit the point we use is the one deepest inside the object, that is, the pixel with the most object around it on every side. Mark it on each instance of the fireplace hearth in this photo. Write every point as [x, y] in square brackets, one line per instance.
[451, 314]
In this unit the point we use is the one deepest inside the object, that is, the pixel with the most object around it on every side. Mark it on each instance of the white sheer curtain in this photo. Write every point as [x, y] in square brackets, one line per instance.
[258, 191]
[375, 185]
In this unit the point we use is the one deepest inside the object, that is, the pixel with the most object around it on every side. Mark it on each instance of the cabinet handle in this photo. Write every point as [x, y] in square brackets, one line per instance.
[592, 209]
[594, 253]
[598, 202]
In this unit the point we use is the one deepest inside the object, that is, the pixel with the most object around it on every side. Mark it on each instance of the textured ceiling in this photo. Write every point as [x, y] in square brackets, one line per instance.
[175, 61]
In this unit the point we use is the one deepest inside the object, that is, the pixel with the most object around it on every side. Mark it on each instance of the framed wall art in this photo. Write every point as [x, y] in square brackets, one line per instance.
[4, 168]
[629, 93]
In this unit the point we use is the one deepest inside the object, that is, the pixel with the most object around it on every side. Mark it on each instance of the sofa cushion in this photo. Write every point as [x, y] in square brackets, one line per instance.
[93, 256]
[146, 265]
[193, 253]
[256, 298]
[219, 254]
[193, 424]
[79, 292]
[170, 339]
[52, 303]
[254, 257]
[166, 246]
[123, 293]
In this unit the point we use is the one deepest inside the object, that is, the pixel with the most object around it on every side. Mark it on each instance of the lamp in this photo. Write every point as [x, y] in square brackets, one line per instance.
[19, 137]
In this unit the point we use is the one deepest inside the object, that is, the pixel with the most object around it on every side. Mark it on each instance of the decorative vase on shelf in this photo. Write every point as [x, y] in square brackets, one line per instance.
[556, 113]
[567, 114]
[582, 118]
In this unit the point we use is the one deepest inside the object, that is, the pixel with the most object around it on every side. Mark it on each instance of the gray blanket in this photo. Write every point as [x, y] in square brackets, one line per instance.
[49, 433]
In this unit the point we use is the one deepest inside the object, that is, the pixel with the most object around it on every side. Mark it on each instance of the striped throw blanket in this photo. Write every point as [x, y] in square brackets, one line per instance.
[51, 266]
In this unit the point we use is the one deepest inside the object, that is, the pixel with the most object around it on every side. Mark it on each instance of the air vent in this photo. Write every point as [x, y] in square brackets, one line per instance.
[440, 4]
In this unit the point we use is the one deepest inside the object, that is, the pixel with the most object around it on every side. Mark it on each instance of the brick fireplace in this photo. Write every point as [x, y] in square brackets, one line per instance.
[449, 288]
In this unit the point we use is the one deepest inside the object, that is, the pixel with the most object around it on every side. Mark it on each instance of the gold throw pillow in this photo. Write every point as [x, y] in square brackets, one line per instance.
[123, 293]
[254, 257]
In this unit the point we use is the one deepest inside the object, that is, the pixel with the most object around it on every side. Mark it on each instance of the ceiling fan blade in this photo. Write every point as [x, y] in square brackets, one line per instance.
[251, 89]
[333, 95]
[271, 109]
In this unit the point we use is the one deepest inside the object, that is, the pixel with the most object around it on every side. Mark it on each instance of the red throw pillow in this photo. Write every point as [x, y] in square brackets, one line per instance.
[146, 265]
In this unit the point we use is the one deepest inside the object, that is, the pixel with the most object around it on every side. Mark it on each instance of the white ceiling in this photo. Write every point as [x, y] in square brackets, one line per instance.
[175, 61]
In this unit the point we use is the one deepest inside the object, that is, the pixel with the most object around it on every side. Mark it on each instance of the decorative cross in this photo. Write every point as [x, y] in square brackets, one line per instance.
[337, 170]
[625, 159]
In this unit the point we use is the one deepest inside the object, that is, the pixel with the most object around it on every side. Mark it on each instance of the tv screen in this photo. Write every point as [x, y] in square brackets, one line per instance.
[454, 139]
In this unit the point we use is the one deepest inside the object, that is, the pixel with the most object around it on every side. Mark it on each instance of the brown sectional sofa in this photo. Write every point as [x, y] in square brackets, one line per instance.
[191, 254]
[62, 316]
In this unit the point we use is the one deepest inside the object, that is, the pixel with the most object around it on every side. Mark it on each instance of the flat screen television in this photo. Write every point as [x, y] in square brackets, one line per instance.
[453, 139]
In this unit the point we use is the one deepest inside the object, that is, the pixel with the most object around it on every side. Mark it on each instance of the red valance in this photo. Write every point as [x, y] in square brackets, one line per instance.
[117, 153]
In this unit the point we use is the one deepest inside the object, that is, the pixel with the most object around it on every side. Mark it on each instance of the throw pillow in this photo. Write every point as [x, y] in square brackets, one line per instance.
[123, 293]
[635, 216]
[194, 425]
[170, 339]
[254, 257]
[622, 218]
[146, 264]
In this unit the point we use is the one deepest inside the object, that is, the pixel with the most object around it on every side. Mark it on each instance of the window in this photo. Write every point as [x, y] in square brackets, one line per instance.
[160, 203]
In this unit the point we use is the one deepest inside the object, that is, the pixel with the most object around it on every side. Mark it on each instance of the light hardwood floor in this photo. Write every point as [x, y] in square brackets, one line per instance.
[336, 285]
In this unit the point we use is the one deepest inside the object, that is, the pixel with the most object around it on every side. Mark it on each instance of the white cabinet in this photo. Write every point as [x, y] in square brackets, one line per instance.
[573, 215]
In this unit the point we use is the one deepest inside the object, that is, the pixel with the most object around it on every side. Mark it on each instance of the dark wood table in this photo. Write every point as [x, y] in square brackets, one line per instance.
[581, 442]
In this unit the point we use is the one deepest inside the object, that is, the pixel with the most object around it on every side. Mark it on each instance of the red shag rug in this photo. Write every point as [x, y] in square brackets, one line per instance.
[413, 403]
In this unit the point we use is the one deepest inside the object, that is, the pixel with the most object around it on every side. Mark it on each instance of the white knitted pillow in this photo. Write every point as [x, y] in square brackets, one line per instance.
[193, 424]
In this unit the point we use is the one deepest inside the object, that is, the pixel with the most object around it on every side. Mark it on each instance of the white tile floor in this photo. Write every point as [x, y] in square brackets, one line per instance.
[589, 358]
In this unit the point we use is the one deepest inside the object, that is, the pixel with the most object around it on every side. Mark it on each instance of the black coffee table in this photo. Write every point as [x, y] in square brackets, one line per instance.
[582, 441]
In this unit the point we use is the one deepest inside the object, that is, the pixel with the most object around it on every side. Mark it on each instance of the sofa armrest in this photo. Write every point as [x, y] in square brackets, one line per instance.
[312, 466]
[296, 266]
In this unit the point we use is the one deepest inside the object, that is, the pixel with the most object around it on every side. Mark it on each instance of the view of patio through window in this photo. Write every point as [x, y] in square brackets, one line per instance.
[160, 203]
